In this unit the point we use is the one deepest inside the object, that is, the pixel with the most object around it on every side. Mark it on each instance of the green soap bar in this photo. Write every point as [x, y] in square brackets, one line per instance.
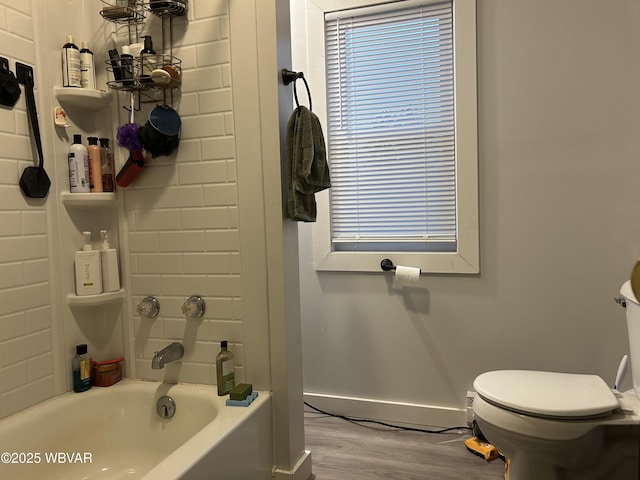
[241, 391]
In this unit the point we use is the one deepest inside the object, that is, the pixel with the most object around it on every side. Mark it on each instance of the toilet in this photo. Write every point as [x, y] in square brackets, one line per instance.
[562, 426]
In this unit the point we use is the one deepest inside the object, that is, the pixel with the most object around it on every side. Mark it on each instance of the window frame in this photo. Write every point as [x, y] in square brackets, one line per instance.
[466, 258]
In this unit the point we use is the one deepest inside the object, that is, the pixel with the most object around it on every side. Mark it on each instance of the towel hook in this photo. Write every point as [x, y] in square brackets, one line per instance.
[387, 265]
[289, 76]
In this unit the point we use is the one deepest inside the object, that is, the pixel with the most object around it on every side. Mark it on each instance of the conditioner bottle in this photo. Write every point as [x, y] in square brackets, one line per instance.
[87, 68]
[109, 263]
[225, 370]
[81, 368]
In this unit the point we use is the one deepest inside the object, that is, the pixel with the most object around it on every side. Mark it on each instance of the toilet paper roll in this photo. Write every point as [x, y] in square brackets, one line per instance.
[407, 274]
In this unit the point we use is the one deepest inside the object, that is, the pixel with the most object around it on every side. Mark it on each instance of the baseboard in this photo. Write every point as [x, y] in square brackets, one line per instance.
[301, 470]
[392, 412]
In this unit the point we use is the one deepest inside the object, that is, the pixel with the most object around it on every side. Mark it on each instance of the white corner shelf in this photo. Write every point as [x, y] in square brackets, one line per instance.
[94, 300]
[88, 200]
[83, 98]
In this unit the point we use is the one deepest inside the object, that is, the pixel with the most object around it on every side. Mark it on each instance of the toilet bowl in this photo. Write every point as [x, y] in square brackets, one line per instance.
[562, 426]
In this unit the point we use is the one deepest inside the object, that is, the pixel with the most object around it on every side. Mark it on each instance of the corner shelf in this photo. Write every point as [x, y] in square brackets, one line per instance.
[83, 98]
[88, 200]
[94, 300]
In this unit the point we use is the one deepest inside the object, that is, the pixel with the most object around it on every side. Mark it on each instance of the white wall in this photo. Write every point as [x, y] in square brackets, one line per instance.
[559, 115]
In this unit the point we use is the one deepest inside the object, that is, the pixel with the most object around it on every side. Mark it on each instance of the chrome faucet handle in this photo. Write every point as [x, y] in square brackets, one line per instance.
[149, 307]
[194, 307]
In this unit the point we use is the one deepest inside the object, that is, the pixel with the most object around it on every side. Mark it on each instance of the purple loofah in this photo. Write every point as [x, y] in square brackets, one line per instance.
[128, 137]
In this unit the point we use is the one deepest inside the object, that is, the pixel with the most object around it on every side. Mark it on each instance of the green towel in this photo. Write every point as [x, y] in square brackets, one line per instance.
[308, 170]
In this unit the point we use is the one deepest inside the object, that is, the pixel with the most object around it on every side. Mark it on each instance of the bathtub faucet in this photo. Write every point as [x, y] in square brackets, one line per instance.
[171, 352]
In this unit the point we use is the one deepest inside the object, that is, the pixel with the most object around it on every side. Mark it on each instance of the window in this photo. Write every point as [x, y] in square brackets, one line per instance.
[401, 137]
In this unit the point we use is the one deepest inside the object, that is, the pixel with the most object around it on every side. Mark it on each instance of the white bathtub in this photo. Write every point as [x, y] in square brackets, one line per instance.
[115, 433]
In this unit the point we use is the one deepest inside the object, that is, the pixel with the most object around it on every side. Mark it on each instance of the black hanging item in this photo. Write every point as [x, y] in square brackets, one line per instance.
[9, 88]
[34, 181]
[289, 76]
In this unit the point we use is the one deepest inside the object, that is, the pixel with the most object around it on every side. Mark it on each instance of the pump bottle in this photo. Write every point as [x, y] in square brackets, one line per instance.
[108, 169]
[87, 67]
[95, 165]
[109, 264]
[88, 269]
[78, 159]
[71, 76]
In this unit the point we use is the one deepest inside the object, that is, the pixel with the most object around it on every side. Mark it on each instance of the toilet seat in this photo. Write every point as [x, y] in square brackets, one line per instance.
[547, 394]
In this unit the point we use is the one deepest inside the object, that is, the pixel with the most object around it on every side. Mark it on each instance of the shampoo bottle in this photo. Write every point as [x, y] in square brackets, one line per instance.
[78, 167]
[126, 62]
[109, 263]
[95, 165]
[88, 270]
[81, 368]
[224, 370]
[108, 169]
[70, 64]
[147, 59]
[87, 67]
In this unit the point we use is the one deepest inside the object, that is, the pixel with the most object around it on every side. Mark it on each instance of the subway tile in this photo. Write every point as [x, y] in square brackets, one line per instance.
[13, 326]
[19, 5]
[232, 173]
[21, 49]
[26, 396]
[13, 376]
[7, 121]
[210, 8]
[23, 298]
[160, 263]
[223, 241]
[11, 275]
[140, 242]
[12, 198]
[182, 196]
[203, 126]
[3, 18]
[187, 56]
[36, 271]
[34, 222]
[145, 285]
[229, 126]
[23, 248]
[205, 218]
[199, 31]
[144, 327]
[213, 53]
[9, 172]
[157, 220]
[184, 284]
[39, 367]
[218, 148]
[224, 285]
[224, 26]
[203, 172]
[190, 241]
[157, 176]
[225, 74]
[189, 151]
[20, 24]
[38, 319]
[215, 101]
[207, 263]
[188, 106]
[202, 79]
[220, 194]
[22, 348]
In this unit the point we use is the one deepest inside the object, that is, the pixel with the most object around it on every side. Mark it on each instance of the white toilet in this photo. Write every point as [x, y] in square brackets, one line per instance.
[557, 426]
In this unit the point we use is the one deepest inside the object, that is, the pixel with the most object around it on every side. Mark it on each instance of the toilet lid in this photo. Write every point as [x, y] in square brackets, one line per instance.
[547, 394]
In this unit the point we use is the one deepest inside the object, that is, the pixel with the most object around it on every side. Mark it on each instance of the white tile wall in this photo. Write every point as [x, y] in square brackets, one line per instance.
[182, 214]
[26, 376]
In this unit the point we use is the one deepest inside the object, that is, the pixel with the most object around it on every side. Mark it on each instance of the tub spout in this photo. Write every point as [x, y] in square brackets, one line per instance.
[171, 352]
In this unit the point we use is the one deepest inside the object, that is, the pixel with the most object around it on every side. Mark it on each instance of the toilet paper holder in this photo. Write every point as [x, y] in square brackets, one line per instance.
[387, 265]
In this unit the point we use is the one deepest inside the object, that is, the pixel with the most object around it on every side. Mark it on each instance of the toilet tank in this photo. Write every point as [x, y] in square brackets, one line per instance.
[633, 328]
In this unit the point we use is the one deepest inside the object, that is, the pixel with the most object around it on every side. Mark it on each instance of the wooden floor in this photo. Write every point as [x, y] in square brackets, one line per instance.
[345, 451]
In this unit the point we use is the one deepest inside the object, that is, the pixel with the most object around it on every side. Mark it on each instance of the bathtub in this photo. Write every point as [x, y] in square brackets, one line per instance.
[115, 433]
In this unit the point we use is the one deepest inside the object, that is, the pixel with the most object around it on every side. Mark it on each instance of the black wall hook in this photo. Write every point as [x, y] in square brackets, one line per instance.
[387, 265]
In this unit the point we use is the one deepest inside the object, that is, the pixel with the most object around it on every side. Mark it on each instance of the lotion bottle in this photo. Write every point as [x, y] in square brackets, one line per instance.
[95, 165]
[87, 67]
[81, 368]
[71, 76]
[88, 269]
[78, 159]
[109, 263]
[225, 370]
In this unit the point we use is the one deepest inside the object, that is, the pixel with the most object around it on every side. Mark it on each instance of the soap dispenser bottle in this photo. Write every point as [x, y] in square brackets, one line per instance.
[81, 369]
[147, 59]
[109, 263]
[224, 370]
[88, 269]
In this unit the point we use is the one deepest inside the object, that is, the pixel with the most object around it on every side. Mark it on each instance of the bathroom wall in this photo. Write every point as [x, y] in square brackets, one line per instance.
[26, 372]
[559, 115]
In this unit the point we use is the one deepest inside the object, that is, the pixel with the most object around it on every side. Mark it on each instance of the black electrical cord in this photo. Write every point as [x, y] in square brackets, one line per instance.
[377, 422]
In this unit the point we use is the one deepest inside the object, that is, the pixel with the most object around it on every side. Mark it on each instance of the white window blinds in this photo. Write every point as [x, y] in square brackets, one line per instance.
[390, 122]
